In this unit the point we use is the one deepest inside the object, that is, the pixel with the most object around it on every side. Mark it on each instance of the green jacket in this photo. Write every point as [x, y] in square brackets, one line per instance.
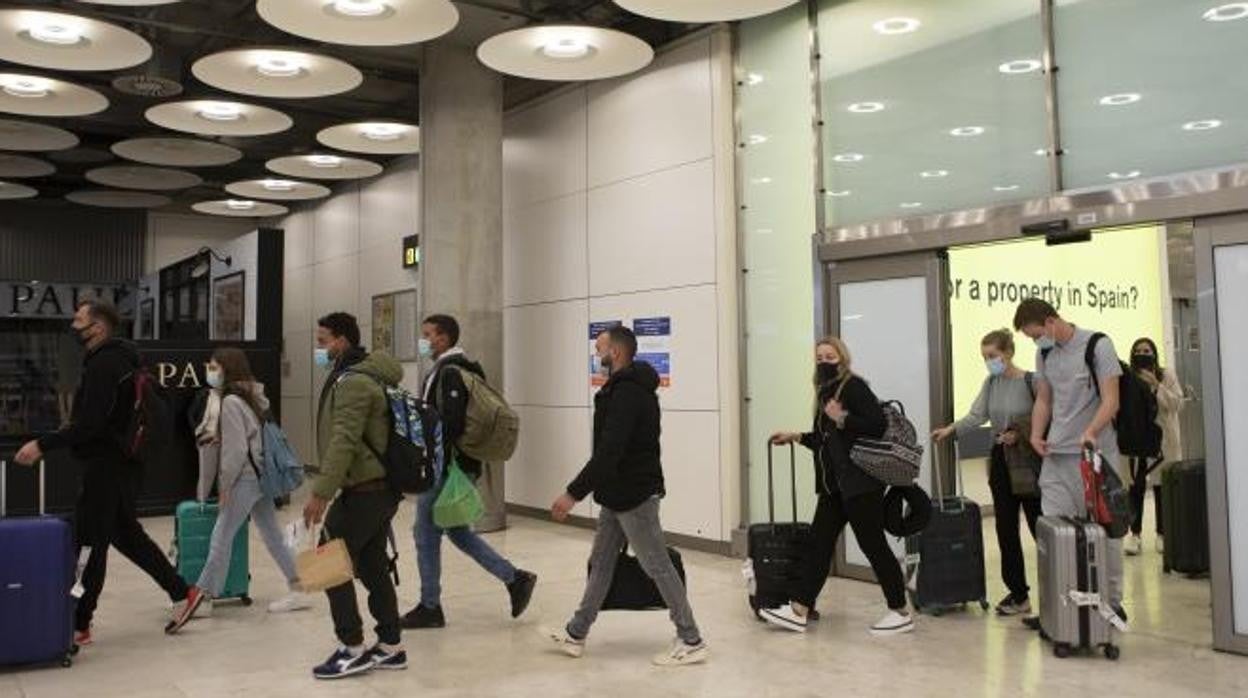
[356, 411]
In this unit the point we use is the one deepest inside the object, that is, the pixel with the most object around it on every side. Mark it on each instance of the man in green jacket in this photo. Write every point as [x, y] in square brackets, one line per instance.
[353, 426]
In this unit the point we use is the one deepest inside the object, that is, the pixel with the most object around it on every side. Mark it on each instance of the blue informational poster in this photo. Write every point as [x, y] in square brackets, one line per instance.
[654, 345]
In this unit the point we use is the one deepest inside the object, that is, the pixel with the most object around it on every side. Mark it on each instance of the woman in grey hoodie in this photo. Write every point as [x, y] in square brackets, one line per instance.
[231, 450]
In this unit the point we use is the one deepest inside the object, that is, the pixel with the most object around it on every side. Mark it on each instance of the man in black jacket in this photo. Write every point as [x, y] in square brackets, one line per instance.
[446, 390]
[625, 475]
[106, 510]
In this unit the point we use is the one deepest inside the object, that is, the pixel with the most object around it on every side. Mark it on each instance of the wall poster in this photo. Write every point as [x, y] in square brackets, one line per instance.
[654, 345]
[228, 306]
[394, 325]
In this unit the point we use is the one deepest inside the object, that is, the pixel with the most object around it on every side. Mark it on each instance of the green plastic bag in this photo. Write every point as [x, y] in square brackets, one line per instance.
[458, 504]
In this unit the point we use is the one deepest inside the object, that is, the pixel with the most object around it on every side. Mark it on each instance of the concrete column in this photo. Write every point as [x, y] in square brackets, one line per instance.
[461, 162]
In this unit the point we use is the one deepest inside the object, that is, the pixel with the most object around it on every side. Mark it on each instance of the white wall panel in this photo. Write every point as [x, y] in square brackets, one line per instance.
[336, 286]
[337, 230]
[297, 299]
[652, 121]
[381, 271]
[173, 236]
[547, 357]
[692, 474]
[300, 239]
[297, 421]
[695, 363]
[654, 231]
[544, 150]
[297, 359]
[389, 206]
[544, 251]
[554, 445]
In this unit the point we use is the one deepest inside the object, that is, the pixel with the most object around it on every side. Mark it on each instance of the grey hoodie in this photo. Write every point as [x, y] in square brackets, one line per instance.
[239, 433]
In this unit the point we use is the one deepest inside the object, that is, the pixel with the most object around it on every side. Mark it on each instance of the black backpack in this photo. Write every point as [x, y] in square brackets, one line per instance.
[1139, 436]
[150, 427]
[413, 455]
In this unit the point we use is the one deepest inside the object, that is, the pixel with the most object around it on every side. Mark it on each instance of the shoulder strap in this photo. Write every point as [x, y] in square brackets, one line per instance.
[1089, 358]
[1030, 379]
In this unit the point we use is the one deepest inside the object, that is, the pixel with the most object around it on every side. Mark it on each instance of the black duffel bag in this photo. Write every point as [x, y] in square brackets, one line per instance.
[632, 589]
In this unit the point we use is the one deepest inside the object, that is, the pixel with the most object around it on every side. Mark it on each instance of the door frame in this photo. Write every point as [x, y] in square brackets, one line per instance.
[934, 267]
[1211, 233]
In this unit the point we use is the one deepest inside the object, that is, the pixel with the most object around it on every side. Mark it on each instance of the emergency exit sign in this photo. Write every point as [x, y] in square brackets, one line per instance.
[411, 251]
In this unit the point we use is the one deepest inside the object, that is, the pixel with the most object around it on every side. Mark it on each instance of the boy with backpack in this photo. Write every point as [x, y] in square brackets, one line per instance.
[477, 425]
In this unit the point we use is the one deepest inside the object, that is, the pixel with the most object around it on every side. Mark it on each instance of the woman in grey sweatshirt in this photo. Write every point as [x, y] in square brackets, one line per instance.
[1004, 401]
[232, 452]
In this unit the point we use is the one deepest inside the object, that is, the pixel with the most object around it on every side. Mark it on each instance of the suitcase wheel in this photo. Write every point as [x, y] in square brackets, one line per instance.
[1112, 652]
[246, 600]
[68, 660]
[1061, 650]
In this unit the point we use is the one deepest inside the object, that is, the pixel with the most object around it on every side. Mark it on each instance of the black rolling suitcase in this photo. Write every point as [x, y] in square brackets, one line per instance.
[1185, 514]
[945, 563]
[776, 550]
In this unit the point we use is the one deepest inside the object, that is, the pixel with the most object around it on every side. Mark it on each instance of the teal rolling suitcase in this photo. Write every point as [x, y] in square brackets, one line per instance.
[192, 532]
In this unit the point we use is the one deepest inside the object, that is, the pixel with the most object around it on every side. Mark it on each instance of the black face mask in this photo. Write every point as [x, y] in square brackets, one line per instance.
[1143, 361]
[827, 373]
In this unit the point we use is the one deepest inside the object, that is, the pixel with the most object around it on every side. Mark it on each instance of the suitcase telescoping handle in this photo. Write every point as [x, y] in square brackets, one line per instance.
[4, 488]
[957, 469]
[771, 489]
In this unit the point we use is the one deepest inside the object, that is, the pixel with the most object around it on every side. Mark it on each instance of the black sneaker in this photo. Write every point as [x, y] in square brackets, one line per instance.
[1012, 605]
[387, 658]
[421, 618]
[521, 592]
[342, 664]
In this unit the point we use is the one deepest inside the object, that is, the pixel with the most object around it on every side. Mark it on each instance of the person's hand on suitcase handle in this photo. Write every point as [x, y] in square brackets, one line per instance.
[784, 438]
[29, 454]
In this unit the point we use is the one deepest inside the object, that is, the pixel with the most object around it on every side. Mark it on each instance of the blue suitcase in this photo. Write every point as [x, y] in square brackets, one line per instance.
[37, 573]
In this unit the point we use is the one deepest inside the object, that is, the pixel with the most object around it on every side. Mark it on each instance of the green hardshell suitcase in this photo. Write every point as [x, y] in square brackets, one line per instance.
[192, 533]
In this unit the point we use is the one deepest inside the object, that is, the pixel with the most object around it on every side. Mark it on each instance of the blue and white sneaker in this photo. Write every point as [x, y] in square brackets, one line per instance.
[342, 663]
[387, 657]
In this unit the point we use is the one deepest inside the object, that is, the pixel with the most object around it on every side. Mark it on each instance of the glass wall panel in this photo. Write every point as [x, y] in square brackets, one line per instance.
[1150, 87]
[930, 106]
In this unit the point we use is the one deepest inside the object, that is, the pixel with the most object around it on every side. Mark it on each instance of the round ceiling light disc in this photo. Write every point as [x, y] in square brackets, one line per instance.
[11, 190]
[703, 10]
[362, 22]
[373, 138]
[116, 198]
[143, 177]
[240, 208]
[212, 117]
[20, 166]
[277, 189]
[323, 166]
[64, 41]
[565, 52]
[32, 95]
[30, 137]
[177, 152]
[277, 73]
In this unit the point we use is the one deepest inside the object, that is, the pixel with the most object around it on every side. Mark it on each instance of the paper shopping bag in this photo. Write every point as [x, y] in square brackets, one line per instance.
[325, 566]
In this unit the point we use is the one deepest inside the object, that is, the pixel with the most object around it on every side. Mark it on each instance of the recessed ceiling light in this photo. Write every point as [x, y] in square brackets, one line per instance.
[359, 8]
[279, 65]
[753, 79]
[1227, 13]
[912, 204]
[967, 131]
[240, 204]
[1018, 67]
[278, 185]
[568, 48]
[1005, 187]
[220, 111]
[56, 32]
[1203, 125]
[849, 157]
[934, 174]
[325, 161]
[896, 25]
[25, 86]
[838, 194]
[866, 107]
[382, 131]
[1119, 100]
[1124, 175]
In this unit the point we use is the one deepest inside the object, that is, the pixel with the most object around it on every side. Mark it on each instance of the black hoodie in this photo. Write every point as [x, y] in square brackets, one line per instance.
[626, 468]
[449, 395]
[103, 404]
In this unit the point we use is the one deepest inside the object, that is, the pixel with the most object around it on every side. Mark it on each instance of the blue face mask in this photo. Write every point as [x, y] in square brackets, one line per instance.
[321, 357]
[213, 379]
[1045, 342]
[425, 348]
[996, 367]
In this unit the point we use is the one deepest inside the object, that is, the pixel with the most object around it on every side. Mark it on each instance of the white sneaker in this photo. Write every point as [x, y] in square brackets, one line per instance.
[785, 617]
[893, 623]
[1161, 544]
[683, 653]
[1132, 545]
[564, 642]
[294, 601]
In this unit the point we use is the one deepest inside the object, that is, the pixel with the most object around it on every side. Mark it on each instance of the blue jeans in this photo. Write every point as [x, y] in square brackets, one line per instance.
[429, 551]
[245, 500]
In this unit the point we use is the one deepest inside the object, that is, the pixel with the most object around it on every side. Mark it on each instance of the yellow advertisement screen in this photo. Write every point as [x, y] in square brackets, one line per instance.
[1112, 284]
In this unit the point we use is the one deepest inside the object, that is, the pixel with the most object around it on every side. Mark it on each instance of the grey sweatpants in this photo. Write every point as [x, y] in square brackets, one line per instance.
[641, 528]
[1061, 494]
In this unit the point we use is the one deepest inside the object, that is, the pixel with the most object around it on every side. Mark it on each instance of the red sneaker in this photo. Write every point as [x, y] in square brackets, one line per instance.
[82, 638]
[194, 598]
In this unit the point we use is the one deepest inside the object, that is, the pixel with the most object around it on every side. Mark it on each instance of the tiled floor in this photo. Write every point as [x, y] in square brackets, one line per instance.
[245, 652]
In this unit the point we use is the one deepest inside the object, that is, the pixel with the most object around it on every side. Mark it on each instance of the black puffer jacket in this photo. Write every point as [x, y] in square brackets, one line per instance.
[834, 472]
[103, 405]
[626, 468]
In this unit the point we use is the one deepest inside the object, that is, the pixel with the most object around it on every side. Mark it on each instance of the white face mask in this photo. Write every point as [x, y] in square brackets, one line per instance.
[425, 347]
[214, 378]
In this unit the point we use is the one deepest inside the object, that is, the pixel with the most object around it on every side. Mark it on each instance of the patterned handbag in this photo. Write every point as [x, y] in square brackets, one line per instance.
[894, 458]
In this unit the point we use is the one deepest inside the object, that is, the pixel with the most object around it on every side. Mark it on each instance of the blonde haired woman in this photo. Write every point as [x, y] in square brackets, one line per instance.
[847, 409]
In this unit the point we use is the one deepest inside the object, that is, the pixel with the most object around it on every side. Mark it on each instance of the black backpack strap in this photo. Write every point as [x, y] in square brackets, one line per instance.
[1089, 358]
[393, 558]
[1030, 379]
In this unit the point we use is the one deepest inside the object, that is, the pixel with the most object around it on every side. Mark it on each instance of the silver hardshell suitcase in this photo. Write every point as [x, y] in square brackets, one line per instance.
[1073, 576]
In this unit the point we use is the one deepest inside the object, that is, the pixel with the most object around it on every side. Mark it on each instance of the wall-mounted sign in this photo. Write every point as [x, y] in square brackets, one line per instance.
[36, 299]
[411, 251]
[394, 325]
[654, 345]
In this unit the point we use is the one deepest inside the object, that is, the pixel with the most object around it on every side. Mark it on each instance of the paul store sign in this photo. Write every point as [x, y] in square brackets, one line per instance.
[37, 299]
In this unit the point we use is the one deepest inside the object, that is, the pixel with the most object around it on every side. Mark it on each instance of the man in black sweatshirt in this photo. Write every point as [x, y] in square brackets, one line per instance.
[106, 510]
[625, 475]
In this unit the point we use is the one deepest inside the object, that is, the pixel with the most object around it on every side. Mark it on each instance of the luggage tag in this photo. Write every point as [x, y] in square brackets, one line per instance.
[78, 589]
[1085, 598]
